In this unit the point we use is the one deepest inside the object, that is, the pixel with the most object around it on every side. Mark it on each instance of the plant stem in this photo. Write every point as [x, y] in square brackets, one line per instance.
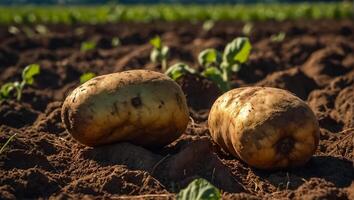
[7, 142]
[19, 93]
[226, 78]
[164, 65]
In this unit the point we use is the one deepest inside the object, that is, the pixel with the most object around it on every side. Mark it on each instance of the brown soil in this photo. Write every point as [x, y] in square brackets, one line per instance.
[315, 61]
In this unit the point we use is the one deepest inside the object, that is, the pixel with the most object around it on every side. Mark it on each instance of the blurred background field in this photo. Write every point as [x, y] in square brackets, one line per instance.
[23, 13]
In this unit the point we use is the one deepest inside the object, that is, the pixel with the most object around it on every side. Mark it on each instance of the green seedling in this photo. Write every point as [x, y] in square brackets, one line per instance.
[159, 53]
[278, 37]
[87, 46]
[219, 67]
[199, 189]
[86, 76]
[216, 75]
[209, 58]
[178, 70]
[236, 53]
[247, 29]
[208, 25]
[13, 30]
[27, 79]
[7, 143]
[115, 42]
[41, 29]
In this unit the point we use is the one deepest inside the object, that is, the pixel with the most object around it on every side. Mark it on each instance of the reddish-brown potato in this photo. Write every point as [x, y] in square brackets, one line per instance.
[140, 106]
[267, 128]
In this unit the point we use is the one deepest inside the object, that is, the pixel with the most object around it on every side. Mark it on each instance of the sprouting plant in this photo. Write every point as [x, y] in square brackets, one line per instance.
[208, 25]
[41, 29]
[86, 76]
[199, 189]
[160, 52]
[115, 42]
[178, 70]
[219, 67]
[7, 143]
[247, 28]
[210, 58]
[279, 37]
[27, 79]
[13, 30]
[87, 46]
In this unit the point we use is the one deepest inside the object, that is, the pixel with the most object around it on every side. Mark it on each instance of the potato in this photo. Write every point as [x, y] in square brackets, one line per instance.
[267, 128]
[143, 107]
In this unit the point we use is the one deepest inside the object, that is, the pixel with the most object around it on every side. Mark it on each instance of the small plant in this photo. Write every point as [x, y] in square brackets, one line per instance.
[199, 189]
[247, 29]
[41, 29]
[278, 37]
[218, 67]
[13, 30]
[208, 25]
[27, 79]
[160, 52]
[86, 76]
[87, 46]
[115, 42]
[2, 149]
[178, 70]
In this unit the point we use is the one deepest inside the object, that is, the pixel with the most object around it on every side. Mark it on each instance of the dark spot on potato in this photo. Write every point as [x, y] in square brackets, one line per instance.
[136, 102]
[92, 84]
[74, 99]
[285, 145]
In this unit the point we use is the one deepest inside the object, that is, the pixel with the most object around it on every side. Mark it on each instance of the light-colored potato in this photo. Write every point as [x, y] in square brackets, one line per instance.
[267, 128]
[140, 106]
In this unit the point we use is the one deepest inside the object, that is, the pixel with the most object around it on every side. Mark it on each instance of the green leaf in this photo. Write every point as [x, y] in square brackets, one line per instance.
[208, 25]
[237, 51]
[199, 189]
[13, 30]
[278, 37]
[41, 29]
[247, 28]
[215, 75]
[164, 51]
[29, 72]
[115, 42]
[6, 89]
[87, 46]
[209, 57]
[178, 70]
[86, 76]
[156, 42]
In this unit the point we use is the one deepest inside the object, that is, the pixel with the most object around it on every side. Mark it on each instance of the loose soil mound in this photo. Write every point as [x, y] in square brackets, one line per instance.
[315, 61]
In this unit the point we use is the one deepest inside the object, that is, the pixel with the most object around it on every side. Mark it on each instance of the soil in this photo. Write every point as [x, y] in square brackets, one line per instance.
[315, 61]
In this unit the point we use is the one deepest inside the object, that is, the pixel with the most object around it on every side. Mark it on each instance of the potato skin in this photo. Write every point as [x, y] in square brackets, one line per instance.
[144, 107]
[268, 128]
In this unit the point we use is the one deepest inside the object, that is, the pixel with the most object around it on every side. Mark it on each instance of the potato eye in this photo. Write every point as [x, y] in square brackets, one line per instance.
[136, 102]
